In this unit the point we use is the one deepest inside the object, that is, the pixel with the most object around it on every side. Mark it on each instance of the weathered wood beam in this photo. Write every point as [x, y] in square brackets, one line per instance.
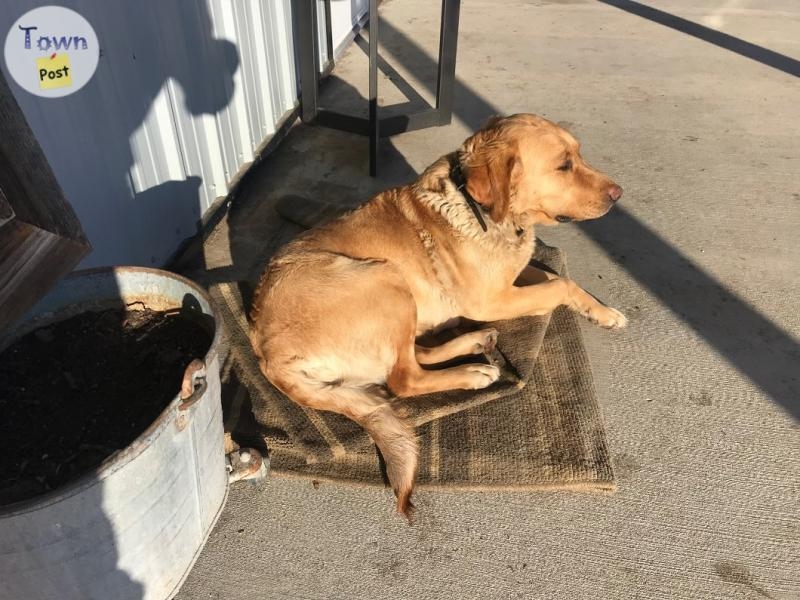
[41, 239]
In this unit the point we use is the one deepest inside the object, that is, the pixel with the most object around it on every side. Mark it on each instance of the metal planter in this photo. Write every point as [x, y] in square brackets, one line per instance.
[132, 528]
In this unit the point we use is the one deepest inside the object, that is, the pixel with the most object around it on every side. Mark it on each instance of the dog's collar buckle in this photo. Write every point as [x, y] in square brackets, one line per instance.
[461, 185]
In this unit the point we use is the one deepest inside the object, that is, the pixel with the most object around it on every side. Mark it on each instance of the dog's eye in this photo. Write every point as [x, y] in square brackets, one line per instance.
[566, 166]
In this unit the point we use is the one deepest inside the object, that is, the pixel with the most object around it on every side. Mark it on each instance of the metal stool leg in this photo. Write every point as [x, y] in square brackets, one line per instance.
[448, 45]
[374, 122]
[306, 14]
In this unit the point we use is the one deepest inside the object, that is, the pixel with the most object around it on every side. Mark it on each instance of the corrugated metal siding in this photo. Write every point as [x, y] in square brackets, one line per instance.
[185, 93]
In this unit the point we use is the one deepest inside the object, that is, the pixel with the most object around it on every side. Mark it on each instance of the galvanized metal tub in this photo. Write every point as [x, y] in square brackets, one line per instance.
[132, 528]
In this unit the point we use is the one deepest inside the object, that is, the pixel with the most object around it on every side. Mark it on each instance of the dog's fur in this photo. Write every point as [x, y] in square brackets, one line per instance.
[337, 312]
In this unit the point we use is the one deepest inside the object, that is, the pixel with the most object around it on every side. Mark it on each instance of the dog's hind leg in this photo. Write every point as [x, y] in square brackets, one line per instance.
[408, 378]
[474, 342]
[334, 349]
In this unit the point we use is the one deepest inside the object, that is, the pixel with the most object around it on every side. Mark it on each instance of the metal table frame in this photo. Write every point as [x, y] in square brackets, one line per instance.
[373, 126]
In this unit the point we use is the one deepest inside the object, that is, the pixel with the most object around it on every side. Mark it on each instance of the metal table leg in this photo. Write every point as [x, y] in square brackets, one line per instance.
[448, 46]
[306, 14]
[374, 121]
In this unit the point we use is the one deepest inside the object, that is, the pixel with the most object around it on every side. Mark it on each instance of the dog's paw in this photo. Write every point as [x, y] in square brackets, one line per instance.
[487, 341]
[481, 376]
[608, 317]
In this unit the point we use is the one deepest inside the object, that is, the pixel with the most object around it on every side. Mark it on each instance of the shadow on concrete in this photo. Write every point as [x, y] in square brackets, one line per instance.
[757, 347]
[754, 52]
[415, 101]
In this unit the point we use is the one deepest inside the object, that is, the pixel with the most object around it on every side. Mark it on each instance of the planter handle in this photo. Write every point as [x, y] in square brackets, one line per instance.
[194, 383]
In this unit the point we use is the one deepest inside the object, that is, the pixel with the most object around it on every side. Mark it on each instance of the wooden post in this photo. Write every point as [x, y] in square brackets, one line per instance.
[41, 239]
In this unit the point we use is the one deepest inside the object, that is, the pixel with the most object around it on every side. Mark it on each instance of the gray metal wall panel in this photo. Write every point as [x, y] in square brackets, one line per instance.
[185, 93]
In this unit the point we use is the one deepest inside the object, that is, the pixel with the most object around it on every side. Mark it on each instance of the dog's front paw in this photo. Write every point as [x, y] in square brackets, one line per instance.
[481, 376]
[608, 317]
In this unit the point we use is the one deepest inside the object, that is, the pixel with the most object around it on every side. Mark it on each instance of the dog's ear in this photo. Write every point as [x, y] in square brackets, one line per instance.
[492, 181]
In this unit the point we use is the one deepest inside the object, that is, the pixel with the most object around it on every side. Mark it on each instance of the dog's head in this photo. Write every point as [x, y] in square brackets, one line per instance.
[531, 169]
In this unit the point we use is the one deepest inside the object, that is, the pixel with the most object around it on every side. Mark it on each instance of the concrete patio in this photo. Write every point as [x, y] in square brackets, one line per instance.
[695, 112]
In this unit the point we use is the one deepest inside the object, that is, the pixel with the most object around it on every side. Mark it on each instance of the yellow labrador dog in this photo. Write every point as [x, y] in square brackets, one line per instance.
[337, 311]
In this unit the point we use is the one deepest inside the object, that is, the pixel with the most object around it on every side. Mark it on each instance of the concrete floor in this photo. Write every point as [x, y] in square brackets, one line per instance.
[700, 394]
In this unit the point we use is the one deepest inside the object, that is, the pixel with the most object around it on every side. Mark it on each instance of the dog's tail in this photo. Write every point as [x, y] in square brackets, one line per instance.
[398, 445]
[370, 407]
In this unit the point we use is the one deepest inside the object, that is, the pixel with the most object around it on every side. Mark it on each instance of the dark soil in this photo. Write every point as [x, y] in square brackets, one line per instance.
[76, 391]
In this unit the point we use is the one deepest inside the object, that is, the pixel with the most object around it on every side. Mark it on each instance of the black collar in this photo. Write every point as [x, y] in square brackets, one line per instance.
[457, 177]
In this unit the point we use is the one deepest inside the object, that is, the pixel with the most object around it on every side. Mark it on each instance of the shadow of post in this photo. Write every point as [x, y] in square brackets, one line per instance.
[750, 342]
[754, 52]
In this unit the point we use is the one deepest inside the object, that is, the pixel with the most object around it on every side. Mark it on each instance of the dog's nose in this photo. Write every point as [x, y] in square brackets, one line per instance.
[614, 193]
